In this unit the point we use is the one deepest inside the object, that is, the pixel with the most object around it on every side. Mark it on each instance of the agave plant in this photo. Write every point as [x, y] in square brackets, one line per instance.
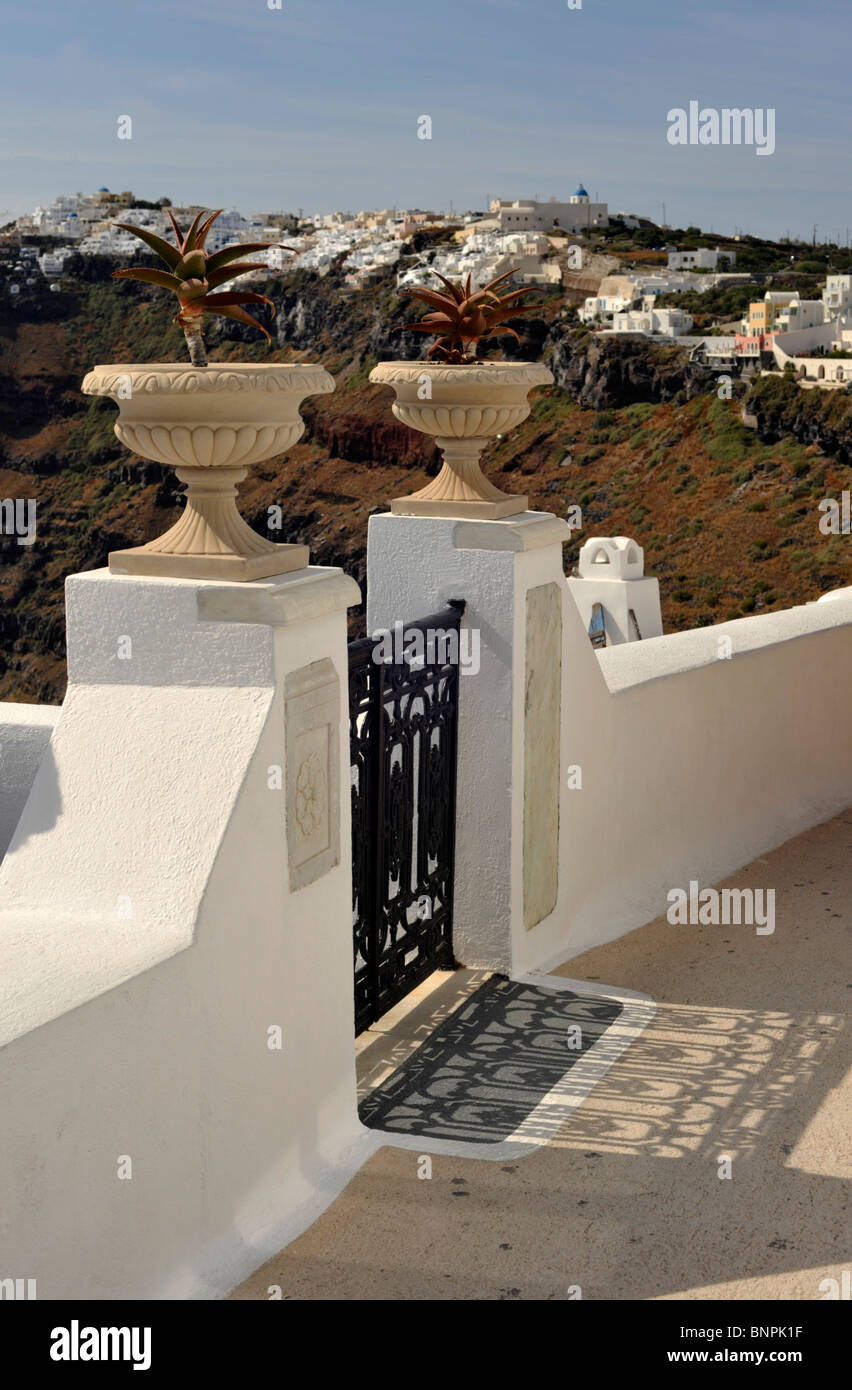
[193, 273]
[463, 318]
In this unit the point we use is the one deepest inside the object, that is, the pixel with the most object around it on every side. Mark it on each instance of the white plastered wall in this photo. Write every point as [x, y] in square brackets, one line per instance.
[148, 1037]
[694, 762]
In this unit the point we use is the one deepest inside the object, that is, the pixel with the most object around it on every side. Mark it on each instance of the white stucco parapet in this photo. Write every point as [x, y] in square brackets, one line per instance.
[677, 653]
[723, 741]
[833, 594]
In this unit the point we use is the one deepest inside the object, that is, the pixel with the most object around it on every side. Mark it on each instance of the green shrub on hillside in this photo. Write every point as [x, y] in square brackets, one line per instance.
[92, 442]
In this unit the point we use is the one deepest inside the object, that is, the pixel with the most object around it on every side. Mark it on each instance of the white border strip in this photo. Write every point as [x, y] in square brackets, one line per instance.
[552, 1111]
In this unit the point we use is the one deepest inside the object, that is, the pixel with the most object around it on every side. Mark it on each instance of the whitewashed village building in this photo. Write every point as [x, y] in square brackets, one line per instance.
[484, 256]
[837, 296]
[577, 215]
[653, 322]
[805, 352]
[703, 258]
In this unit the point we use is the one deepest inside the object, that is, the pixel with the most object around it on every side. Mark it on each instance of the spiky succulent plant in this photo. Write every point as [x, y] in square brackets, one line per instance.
[463, 318]
[194, 273]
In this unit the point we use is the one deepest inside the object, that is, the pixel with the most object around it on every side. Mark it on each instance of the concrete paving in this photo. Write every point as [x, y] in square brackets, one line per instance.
[746, 1060]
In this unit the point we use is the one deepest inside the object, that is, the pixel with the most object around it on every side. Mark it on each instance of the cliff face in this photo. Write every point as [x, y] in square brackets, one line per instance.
[601, 373]
[628, 432]
[813, 417]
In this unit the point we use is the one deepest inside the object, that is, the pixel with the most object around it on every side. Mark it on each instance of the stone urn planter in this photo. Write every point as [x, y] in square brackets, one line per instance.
[462, 406]
[210, 424]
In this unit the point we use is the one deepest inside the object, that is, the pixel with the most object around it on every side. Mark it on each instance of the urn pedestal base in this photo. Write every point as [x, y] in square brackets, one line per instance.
[210, 540]
[140, 560]
[461, 488]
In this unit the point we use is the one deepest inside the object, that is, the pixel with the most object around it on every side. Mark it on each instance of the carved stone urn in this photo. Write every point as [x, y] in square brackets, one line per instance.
[210, 424]
[463, 406]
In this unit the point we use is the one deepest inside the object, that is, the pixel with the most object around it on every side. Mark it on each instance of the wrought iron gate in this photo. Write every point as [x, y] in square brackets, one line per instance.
[403, 709]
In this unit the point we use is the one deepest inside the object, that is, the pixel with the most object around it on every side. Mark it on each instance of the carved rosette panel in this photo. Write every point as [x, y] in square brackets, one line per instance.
[311, 744]
[311, 804]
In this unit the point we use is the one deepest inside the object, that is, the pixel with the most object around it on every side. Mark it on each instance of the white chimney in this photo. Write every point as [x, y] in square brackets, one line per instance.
[616, 602]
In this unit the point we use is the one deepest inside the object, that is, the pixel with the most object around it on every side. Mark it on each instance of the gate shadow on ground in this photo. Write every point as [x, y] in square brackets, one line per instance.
[485, 1073]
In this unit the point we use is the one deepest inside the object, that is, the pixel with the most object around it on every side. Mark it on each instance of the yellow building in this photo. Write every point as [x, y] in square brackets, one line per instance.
[762, 315]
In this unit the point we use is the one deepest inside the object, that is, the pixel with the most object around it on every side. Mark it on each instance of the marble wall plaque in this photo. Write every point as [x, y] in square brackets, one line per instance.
[312, 734]
[542, 749]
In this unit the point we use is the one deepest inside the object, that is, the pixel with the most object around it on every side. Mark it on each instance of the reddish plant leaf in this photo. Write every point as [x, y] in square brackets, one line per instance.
[170, 254]
[218, 277]
[233, 312]
[237, 297]
[201, 234]
[151, 277]
[245, 248]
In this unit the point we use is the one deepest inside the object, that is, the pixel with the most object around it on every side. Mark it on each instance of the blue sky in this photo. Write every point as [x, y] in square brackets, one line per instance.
[315, 105]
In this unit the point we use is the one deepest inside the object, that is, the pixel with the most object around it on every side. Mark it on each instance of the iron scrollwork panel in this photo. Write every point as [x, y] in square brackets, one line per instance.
[403, 720]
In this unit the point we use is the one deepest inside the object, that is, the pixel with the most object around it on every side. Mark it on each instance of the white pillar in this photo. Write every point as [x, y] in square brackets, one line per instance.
[509, 572]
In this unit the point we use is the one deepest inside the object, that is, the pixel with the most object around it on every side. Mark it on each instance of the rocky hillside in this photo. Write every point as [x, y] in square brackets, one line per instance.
[728, 517]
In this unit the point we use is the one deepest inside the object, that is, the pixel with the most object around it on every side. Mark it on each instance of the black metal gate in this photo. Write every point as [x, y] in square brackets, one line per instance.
[403, 711]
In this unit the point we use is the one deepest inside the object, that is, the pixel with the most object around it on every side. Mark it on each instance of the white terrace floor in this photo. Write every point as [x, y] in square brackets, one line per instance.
[746, 1057]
